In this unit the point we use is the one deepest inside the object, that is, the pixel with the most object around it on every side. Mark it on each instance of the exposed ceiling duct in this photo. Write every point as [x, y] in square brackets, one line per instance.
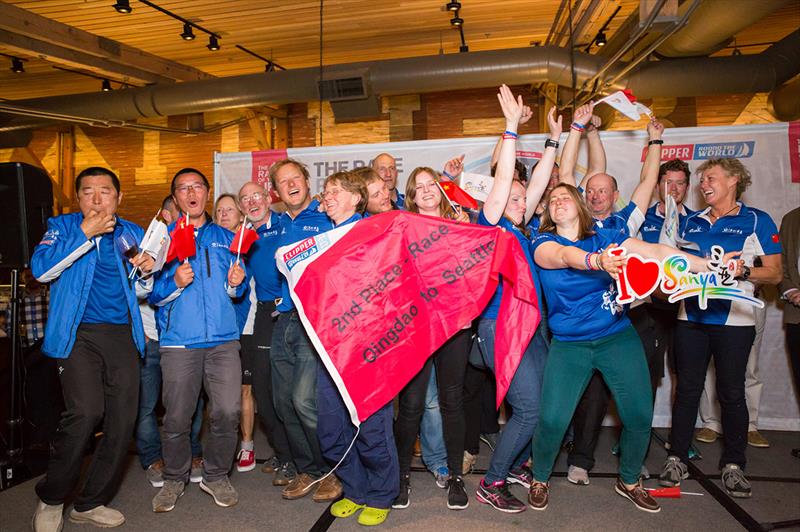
[784, 102]
[521, 66]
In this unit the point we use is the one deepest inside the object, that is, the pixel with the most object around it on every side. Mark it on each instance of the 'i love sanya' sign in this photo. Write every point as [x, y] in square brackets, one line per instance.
[640, 277]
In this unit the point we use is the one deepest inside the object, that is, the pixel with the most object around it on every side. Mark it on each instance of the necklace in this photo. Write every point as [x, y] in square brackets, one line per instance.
[711, 214]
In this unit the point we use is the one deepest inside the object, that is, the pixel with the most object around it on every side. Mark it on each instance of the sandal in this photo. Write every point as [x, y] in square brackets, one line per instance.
[345, 508]
[373, 516]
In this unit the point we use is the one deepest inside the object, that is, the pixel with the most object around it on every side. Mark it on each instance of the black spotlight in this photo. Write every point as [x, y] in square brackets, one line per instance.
[213, 43]
[600, 40]
[188, 34]
[106, 86]
[457, 21]
[17, 66]
[123, 6]
[453, 6]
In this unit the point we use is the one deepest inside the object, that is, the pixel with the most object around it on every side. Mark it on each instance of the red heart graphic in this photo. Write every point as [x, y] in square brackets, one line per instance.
[642, 275]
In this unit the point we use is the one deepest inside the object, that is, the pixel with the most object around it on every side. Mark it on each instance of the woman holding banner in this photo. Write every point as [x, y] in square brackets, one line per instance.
[590, 332]
[725, 329]
[369, 470]
[425, 196]
[506, 206]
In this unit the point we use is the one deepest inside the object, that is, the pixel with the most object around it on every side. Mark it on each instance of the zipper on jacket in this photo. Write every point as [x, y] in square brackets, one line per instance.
[169, 315]
[208, 264]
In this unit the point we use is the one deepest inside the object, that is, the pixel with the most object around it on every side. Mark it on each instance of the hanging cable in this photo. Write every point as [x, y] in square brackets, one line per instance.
[320, 71]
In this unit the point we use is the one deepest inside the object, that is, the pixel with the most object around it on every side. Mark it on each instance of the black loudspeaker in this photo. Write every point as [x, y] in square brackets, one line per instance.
[26, 202]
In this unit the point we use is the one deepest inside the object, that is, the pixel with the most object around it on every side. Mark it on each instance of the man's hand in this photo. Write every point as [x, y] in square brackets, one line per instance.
[143, 261]
[594, 124]
[235, 275]
[655, 129]
[184, 275]
[793, 297]
[96, 223]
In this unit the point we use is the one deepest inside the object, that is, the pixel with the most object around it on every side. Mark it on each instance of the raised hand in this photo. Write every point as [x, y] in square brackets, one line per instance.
[655, 129]
[555, 125]
[594, 124]
[513, 109]
[97, 223]
[583, 114]
[454, 166]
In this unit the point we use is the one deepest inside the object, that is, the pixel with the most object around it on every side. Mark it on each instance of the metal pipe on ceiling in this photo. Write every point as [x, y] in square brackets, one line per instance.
[784, 102]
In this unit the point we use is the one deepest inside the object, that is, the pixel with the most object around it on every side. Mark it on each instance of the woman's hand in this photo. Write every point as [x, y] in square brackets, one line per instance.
[583, 114]
[611, 264]
[554, 125]
[513, 109]
[454, 166]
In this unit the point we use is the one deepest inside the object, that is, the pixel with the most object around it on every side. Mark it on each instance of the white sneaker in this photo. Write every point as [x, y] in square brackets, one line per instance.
[101, 516]
[578, 475]
[48, 517]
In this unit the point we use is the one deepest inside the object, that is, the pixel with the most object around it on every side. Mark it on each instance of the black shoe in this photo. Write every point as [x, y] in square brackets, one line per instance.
[521, 475]
[456, 494]
[498, 497]
[490, 439]
[402, 498]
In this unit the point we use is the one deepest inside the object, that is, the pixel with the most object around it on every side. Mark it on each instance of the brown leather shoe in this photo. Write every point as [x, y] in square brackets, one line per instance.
[299, 487]
[538, 495]
[638, 496]
[329, 489]
[417, 448]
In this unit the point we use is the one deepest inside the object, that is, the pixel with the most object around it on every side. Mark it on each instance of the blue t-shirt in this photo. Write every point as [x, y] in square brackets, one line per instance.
[107, 302]
[624, 223]
[310, 222]
[261, 260]
[494, 304]
[581, 304]
[754, 233]
[401, 201]
[654, 221]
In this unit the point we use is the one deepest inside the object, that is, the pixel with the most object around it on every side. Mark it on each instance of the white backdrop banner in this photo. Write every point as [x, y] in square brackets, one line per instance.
[770, 151]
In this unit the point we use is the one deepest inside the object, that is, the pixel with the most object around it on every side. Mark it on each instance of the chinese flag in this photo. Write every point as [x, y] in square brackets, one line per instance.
[458, 194]
[182, 241]
[629, 94]
[247, 236]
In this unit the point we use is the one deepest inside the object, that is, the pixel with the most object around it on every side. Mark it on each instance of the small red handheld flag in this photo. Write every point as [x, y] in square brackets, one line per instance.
[629, 94]
[242, 241]
[182, 244]
[458, 194]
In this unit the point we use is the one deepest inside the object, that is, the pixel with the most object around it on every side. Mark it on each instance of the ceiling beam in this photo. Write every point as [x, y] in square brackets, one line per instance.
[22, 23]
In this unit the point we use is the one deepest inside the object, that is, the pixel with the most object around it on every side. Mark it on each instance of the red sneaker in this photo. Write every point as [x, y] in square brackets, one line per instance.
[246, 461]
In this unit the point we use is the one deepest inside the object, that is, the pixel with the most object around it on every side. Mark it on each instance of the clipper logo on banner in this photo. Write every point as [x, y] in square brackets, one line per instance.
[701, 152]
[640, 277]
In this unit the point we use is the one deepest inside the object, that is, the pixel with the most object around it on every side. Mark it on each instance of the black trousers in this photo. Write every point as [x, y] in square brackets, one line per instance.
[100, 383]
[793, 344]
[480, 414]
[695, 344]
[588, 418]
[260, 343]
[451, 363]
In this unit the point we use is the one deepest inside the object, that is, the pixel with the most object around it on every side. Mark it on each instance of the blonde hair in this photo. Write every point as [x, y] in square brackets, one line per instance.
[731, 167]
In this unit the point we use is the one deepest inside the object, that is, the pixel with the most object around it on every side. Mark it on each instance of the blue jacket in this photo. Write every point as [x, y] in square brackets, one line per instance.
[202, 312]
[64, 258]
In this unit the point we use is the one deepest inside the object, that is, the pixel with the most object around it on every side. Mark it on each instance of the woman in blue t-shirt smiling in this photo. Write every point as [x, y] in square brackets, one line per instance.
[590, 332]
[506, 206]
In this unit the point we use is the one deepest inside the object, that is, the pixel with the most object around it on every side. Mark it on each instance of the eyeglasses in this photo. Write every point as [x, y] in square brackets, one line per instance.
[183, 189]
[255, 196]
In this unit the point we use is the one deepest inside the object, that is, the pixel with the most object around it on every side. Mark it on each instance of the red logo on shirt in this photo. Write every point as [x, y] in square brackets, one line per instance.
[775, 238]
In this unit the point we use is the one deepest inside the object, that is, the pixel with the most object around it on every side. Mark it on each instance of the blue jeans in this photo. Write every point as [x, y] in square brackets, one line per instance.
[294, 391]
[148, 438]
[524, 393]
[431, 433]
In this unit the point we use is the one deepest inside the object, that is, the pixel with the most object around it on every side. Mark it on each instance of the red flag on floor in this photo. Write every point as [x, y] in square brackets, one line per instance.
[378, 297]
[458, 194]
[182, 244]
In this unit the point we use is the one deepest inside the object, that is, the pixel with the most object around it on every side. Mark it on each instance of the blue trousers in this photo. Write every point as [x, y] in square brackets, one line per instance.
[524, 394]
[370, 471]
[148, 438]
[431, 432]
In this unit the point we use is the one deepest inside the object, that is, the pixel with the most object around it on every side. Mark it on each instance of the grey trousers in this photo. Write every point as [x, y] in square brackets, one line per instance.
[185, 372]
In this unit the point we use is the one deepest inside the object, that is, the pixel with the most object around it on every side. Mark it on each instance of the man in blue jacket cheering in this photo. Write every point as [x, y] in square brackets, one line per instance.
[95, 330]
[199, 346]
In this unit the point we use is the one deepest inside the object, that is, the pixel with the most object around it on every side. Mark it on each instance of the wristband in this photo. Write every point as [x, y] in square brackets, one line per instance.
[597, 262]
[550, 143]
[587, 259]
[448, 176]
[510, 133]
[655, 141]
[509, 137]
[578, 126]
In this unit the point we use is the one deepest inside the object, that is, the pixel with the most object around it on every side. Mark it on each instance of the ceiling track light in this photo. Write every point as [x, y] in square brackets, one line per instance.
[16, 65]
[213, 43]
[457, 21]
[453, 6]
[106, 85]
[600, 40]
[188, 34]
[123, 6]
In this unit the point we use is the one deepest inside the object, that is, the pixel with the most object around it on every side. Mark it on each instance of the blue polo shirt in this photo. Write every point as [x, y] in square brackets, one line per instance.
[493, 306]
[310, 222]
[654, 221]
[624, 223]
[107, 302]
[754, 233]
[581, 304]
[401, 201]
[261, 260]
